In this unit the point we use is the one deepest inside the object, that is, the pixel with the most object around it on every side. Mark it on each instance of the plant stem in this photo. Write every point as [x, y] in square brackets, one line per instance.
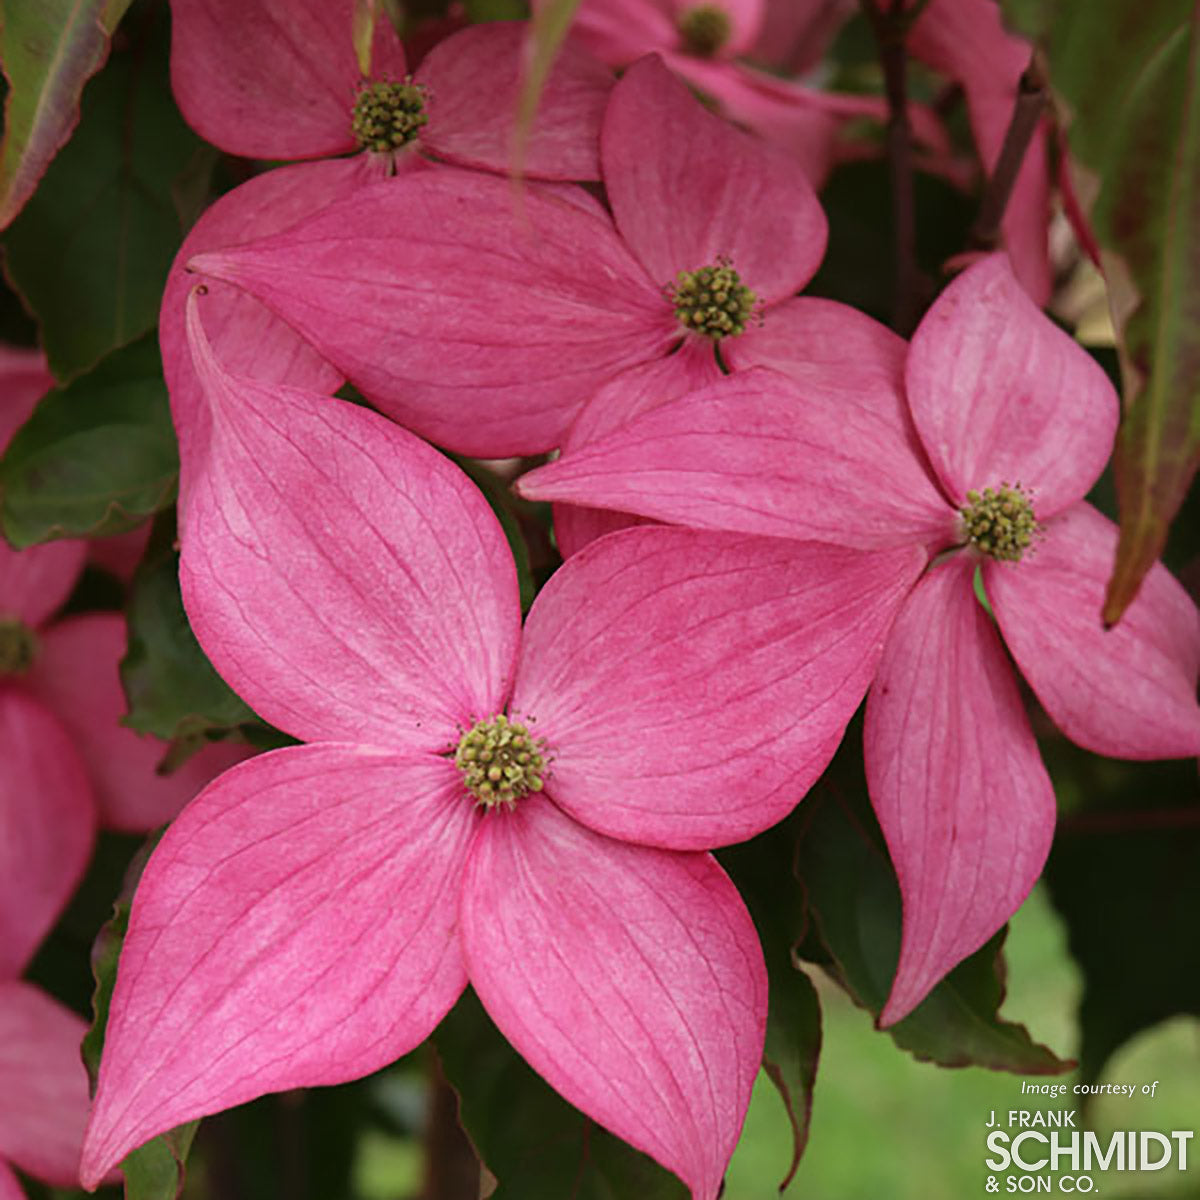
[890, 28]
[1027, 113]
[1131, 822]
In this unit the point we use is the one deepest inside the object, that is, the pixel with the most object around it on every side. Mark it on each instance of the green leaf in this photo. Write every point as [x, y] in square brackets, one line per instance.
[155, 1171]
[854, 901]
[97, 457]
[172, 688]
[1127, 78]
[90, 251]
[764, 871]
[533, 1141]
[1125, 875]
[49, 49]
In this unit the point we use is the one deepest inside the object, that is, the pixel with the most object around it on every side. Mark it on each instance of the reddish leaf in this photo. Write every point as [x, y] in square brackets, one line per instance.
[1127, 77]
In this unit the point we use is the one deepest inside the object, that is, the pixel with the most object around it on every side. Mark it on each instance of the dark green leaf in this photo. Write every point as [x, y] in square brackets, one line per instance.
[90, 251]
[496, 10]
[49, 49]
[172, 688]
[854, 901]
[97, 457]
[764, 871]
[157, 1170]
[862, 234]
[1125, 874]
[1127, 78]
[533, 1141]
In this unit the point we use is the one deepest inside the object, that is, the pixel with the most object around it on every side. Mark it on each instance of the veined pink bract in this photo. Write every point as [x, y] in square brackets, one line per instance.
[351, 887]
[1005, 425]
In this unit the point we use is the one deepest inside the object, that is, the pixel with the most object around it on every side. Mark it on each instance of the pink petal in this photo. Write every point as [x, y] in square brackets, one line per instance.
[631, 979]
[576, 526]
[687, 189]
[273, 79]
[43, 1086]
[760, 453]
[76, 676]
[295, 926]
[796, 33]
[644, 387]
[629, 394]
[47, 824]
[1130, 691]
[475, 81]
[1000, 394]
[692, 686]
[807, 333]
[346, 579]
[966, 40]
[24, 380]
[963, 799]
[619, 31]
[484, 333]
[246, 336]
[120, 554]
[35, 582]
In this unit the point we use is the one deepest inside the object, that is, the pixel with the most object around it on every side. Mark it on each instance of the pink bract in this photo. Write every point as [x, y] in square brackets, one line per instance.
[993, 394]
[966, 40]
[316, 911]
[43, 1088]
[489, 318]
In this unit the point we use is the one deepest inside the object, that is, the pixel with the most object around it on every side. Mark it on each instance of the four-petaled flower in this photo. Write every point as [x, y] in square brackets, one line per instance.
[523, 809]
[985, 438]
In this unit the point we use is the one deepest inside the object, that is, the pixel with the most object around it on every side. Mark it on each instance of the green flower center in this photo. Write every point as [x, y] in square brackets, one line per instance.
[18, 647]
[999, 521]
[501, 761]
[713, 301]
[705, 29]
[387, 116]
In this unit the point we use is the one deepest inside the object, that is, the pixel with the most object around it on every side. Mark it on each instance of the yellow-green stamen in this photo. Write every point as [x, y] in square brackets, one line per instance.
[713, 301]
[387, 116]
[999, 521]
[705, 29]
[501, 761]
[18, 646]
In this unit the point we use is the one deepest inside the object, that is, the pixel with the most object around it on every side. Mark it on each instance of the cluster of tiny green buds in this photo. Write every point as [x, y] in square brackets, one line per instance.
[1000, 521]
[713, 301]
[387, 115]
[501, 761]
[18, 647]
[705, 29]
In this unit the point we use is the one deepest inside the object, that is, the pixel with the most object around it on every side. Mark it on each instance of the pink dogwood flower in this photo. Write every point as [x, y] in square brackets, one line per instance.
[280, 79]
[704, 41]
[523, 809]
[484, 324]
[979, 445]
